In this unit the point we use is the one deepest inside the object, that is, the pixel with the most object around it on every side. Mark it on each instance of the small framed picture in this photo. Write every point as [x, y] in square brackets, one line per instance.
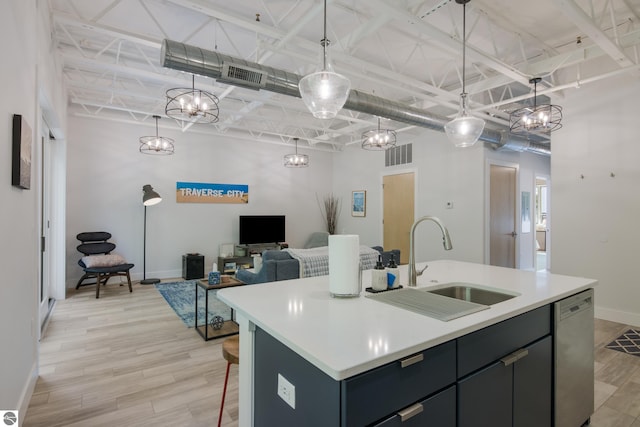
[359, 203]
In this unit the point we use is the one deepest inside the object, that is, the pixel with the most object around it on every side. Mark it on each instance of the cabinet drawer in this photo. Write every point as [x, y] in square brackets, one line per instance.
[437, 411]
[375, 394]
[487, 345]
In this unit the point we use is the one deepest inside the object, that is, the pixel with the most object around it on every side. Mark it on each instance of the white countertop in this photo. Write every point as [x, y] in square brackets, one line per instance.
[345, 337]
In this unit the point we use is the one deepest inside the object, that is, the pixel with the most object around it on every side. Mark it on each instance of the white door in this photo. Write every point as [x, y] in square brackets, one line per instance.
[45, 223]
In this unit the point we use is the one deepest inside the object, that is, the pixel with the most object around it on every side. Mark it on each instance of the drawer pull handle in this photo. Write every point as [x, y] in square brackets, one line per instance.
[411, 360]
[514, 357]
[410, 412]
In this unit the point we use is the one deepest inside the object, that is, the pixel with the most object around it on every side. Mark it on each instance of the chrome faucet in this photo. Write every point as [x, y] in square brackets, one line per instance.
[446, 242]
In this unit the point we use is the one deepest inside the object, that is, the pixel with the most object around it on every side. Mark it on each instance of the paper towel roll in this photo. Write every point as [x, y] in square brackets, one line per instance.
[344, 265]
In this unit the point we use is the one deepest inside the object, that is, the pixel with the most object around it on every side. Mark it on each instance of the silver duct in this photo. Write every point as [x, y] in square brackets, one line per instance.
[239, 72]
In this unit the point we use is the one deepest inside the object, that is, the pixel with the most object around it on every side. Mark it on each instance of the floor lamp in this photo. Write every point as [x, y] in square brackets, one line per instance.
[149, 198]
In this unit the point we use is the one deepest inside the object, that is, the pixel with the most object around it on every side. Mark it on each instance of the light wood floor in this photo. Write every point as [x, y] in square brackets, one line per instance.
[128, 360]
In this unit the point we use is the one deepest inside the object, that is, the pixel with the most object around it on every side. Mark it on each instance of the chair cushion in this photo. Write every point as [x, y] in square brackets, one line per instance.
[111, 260]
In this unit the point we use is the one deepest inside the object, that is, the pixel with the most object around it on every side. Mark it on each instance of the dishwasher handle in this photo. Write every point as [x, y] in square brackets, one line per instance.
[575, 304]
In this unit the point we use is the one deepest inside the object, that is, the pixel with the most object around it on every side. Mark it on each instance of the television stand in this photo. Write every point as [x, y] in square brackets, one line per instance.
[258, 248]
[229, 265]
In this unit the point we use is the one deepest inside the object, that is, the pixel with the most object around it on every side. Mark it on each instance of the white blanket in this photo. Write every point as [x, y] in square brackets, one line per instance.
[315, 261]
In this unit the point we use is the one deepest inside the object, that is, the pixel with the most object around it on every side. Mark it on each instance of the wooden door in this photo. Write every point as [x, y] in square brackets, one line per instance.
[502, 216]
[398, 206]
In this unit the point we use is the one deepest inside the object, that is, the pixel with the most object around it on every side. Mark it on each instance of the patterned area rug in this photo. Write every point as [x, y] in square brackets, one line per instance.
[181, 298]
[629, 342]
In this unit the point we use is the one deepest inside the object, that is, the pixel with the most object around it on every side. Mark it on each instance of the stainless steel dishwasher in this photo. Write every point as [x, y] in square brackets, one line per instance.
[573, 349]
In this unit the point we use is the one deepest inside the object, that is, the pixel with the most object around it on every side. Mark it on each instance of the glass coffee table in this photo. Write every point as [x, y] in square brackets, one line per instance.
[216, 327]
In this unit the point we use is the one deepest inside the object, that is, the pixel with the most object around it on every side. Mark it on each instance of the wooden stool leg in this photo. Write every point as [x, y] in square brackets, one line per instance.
[224, 392]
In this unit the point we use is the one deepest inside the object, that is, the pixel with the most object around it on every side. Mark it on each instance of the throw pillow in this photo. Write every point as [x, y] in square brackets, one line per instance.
[92, 261]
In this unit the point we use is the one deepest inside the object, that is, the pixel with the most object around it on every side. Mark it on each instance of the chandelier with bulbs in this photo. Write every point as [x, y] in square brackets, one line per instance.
[378, 139]
[539, 118]
[192, 105]
[296, 160]
[158, 145]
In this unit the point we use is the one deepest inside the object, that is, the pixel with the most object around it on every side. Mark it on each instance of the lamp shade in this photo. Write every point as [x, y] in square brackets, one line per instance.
[149, 196]
[464, 130]
[324, 93]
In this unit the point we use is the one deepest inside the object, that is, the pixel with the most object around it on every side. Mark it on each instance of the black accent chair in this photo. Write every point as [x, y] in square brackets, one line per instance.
[98, 262]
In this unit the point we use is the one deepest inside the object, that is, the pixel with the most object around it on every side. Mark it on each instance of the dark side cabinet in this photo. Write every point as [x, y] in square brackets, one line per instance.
[192, 266]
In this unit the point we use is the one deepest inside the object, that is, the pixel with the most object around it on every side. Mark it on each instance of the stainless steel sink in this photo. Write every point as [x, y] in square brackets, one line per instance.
[472, 293]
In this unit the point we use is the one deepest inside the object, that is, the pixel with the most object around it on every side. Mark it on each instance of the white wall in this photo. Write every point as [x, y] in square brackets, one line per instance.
[443, 173]
[595, 218]
[104, 192]
[28, 51]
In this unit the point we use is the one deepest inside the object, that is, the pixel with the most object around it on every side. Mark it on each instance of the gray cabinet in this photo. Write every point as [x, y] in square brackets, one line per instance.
[383, 391]
[436, 411]
[408, 389]
[505, 373]
[498, 376]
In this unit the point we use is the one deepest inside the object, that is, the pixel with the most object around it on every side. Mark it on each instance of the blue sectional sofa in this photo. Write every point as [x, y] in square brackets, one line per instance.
[279, 265]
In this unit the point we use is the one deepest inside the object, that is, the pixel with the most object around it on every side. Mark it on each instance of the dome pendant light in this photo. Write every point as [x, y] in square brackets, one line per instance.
[324, 92]
[158, 145]
[541, 118]
[464, 130]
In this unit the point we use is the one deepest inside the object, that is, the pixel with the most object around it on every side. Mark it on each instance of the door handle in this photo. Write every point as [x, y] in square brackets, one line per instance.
[514, 357]
[410, 412]
[513, 234]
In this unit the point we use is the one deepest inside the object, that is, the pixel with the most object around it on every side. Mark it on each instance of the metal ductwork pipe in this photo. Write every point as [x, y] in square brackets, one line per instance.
[239, 72]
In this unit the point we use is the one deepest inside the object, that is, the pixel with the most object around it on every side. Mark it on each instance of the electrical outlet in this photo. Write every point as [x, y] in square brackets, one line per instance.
[287, 391]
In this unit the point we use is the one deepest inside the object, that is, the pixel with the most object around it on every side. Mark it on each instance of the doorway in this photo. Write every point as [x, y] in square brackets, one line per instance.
[502, 216]
[542, 224]
[398, 199]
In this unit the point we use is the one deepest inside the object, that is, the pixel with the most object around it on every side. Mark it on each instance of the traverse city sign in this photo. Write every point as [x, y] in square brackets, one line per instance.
[197, 192]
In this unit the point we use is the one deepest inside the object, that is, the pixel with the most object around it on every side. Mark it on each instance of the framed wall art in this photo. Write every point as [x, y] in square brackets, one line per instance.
[21, 156]
[359, 203]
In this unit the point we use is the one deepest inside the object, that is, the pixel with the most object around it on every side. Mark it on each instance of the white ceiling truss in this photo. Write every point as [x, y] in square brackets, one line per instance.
[406, 51]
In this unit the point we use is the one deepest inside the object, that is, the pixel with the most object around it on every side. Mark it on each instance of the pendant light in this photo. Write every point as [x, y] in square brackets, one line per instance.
[191, 104]
[378, 139]
[296, 160]
[324, 92]
[464, 130]
[541, 118]
[158, 145]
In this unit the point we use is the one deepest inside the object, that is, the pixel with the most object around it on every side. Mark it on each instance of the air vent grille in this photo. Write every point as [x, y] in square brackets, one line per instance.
[398, 155]
[243, 76]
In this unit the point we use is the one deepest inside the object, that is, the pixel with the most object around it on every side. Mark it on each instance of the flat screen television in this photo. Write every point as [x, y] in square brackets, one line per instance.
[261, 229]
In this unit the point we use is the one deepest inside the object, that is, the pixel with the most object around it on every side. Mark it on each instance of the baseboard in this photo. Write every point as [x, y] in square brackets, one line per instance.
[27, 392]
[631, 319]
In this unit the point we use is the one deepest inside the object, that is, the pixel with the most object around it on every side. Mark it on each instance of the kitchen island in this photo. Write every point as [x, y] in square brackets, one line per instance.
[319, 351]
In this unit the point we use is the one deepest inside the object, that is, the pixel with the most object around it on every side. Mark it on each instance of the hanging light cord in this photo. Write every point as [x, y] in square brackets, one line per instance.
[464, 46]
[324, 39]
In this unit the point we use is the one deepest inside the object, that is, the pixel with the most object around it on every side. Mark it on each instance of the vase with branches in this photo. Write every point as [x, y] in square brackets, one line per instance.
[330, 208]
